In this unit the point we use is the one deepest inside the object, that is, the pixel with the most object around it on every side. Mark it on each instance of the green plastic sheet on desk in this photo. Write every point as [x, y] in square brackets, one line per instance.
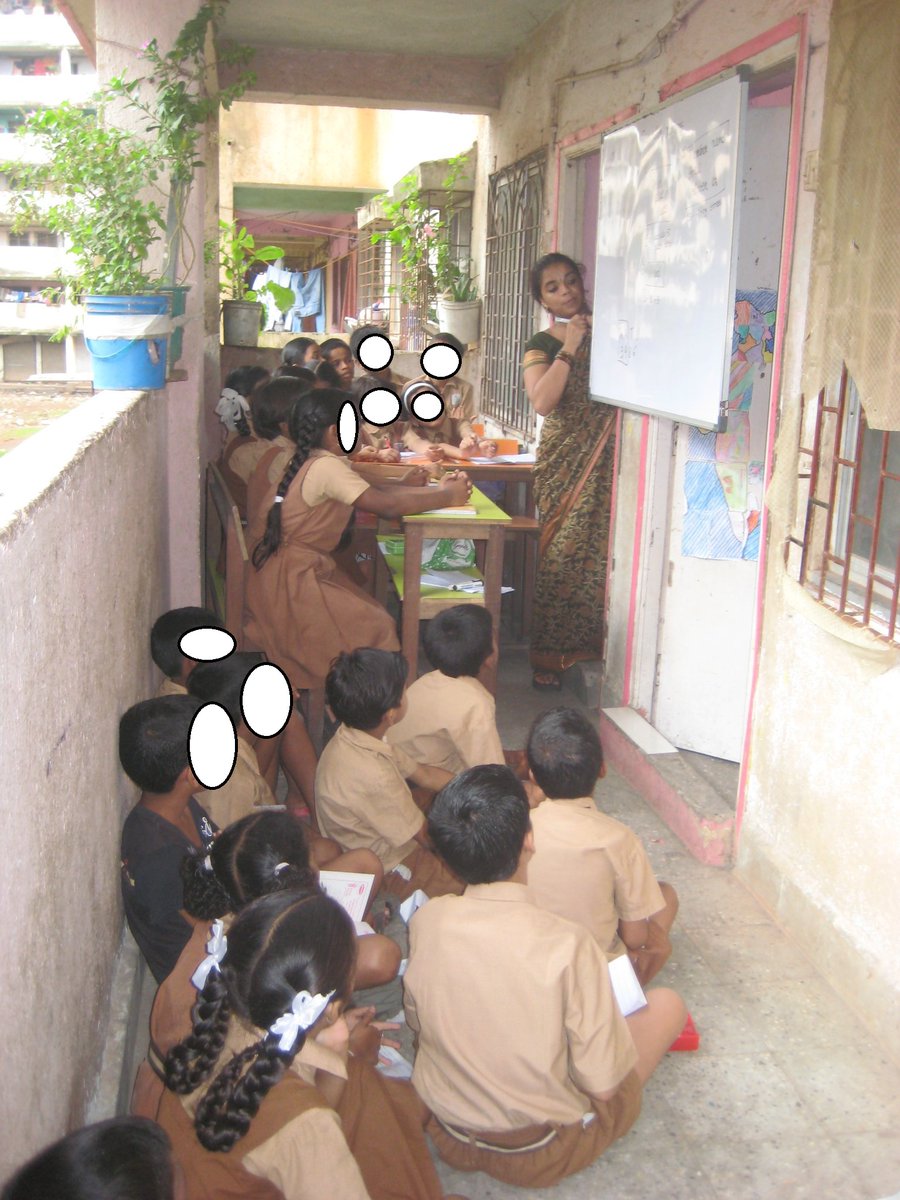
[395, 566]
[485, 509]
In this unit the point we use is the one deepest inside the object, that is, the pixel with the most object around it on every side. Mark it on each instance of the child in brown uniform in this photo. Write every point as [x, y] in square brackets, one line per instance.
[528, 1066]
[362, 796]
[274, 1081]
[301, 609]
[450, 719]
[587, 866]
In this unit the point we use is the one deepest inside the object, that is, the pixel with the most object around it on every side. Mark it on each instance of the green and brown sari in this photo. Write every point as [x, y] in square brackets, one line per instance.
[573, 480]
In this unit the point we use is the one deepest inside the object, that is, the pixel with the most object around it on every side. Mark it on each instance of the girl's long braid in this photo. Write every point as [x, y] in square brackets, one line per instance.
[192, 1060]
[224, 1114]
[314, 413]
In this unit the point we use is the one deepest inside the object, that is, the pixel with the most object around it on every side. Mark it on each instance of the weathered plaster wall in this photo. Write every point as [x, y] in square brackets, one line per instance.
[84, 550]
[330, 147]
[821, 832]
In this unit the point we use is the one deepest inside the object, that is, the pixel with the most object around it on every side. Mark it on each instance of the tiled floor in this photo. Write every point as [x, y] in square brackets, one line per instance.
[788, 1096]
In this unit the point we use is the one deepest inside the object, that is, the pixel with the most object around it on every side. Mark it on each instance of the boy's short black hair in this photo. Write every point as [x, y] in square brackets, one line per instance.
[564, 754]
[153, 741]
[169, 629]
[292, 371]
[459, 640]
[222, 681]
[332, 343]
[360, 333]
[478, 823]
[448, 339]
[364, 684]
[325, 373]
[125, 1158]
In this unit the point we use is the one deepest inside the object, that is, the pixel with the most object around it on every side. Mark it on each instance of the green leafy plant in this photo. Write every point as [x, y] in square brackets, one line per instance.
[236, 252]
[176, 102]
[92, 188]
[421, 233]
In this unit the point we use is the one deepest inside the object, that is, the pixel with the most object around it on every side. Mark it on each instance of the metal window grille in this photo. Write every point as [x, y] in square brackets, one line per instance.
[514, 233]
[846, 551]
[373, 275]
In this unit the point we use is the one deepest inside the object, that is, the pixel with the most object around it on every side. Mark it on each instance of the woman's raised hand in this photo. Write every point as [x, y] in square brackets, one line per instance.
[575, 332]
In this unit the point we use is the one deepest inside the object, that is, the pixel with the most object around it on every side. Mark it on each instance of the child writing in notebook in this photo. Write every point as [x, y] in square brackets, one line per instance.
[264, 853]
[275, 1080]
[587, 866]
[301, 609]
[362, 795]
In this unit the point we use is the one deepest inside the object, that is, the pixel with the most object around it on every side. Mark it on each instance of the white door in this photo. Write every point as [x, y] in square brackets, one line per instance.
[708, 606]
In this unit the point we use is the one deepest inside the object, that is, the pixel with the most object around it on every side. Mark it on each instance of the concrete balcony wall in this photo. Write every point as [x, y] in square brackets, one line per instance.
[30, 262]
[36, 30]
[30, 317]
[45, 91]
[84, 547]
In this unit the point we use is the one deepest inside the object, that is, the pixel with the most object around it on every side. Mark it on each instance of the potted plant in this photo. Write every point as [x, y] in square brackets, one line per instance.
[103, 189]
[94, 187]
[429, 262]
[242, 310]
[176, 102]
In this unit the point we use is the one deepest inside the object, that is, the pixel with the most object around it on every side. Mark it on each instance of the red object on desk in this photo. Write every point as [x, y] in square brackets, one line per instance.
[689, 1038]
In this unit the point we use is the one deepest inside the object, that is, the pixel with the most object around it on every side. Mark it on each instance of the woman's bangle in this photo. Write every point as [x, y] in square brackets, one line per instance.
[566, 357]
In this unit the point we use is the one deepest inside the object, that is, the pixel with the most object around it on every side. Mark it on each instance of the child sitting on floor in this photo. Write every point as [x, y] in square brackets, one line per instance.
[264, 853]
[450, 719]
[587, 866]
[166, 824]
[292, 747]
[528, 1066]
[124, 1158]
[274, 1092]
[165, 645]
[362, 796]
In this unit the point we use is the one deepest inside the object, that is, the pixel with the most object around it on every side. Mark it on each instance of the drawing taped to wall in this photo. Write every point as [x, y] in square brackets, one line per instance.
[722, 483]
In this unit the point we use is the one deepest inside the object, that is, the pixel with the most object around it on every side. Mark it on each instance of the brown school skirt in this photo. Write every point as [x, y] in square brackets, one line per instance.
[541, 1155]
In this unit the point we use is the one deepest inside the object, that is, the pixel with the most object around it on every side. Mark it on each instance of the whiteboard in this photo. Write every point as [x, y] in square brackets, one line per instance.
[666, 257]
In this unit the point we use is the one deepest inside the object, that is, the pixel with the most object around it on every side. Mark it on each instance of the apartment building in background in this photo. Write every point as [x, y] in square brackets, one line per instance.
[41, 64]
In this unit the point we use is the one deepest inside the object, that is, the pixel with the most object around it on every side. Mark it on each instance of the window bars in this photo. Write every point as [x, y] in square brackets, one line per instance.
[847, 552]
[514, 234]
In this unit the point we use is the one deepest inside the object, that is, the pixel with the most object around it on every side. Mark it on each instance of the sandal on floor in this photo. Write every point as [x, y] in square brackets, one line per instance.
[546, 681]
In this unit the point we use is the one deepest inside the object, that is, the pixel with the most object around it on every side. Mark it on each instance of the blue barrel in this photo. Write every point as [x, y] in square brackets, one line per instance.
[128, 363]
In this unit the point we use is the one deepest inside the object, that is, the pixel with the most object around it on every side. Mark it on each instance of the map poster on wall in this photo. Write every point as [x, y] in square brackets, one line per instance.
[666, 252]
[723, 485]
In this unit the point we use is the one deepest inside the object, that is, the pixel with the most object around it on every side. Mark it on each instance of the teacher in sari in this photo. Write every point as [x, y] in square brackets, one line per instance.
[573, 478]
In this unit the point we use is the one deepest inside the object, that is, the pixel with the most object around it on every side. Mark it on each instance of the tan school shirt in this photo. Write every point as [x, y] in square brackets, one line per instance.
[590, 868]
[331, 477]
[459, 412]
[449, 723]
[514, 1010]
[362, 798]
[245, 790]
[307, 1158]
[379, 436]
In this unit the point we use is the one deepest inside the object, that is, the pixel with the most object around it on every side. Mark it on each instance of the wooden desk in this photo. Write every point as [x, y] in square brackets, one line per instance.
[488, 527]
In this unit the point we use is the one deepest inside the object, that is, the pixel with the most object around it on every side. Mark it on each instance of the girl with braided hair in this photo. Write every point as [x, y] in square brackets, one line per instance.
[274, 1094]
[301, 609]
[263, 853]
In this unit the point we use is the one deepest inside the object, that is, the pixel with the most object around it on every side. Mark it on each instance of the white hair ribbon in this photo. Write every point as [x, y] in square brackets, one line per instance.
[216, 947]
[207, 863]
[279, 867]
[231, 407]
[305, 1010]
